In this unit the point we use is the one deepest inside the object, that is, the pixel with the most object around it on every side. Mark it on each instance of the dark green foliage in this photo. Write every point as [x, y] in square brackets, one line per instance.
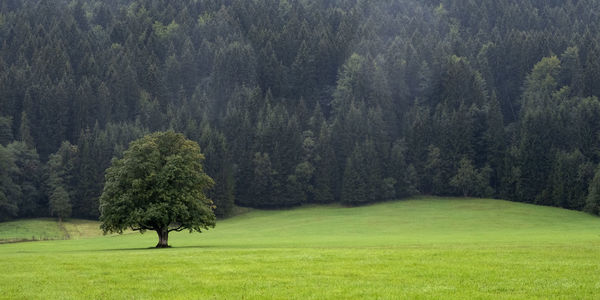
[363, 182]
[354, 187]
[25, 131]
[217, 165]
[494, 139]
[400, 173]
[466, 179]
[159, 185]
[568, 185]
[60, 204]
[435, 173]
[61, 180]
[471, 182]
[6, 135]
[592, 201]
[9, 191]
[265, 186]
[28, 176]
[306, 101]
[324, 163]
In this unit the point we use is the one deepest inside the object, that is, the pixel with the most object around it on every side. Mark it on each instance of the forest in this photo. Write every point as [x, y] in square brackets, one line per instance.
[297, 102]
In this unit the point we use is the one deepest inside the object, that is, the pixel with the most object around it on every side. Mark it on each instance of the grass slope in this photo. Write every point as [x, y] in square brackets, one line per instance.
[47, 229]
[419, 248]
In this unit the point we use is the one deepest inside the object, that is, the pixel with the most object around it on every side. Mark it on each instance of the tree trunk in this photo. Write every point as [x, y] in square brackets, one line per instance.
[163, 238]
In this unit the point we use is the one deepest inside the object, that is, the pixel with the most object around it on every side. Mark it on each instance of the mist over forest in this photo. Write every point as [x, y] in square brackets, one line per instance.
[297, 102]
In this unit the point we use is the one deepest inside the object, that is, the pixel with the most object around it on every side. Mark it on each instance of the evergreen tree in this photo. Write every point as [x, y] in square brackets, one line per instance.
[61, 178]
[568, 184]
[592, 203]
[435, 173]
[495, 141]
[87, 170]
[25, 131]
[414, 86]
[28, 173]
[354, 187]
[537, 134]
[398, 170]
[9, 191]
[265, 187]
[324, 173]
[218, 166]
[6, 135]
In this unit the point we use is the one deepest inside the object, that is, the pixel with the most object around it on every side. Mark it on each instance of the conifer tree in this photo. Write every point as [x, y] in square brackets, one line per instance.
[218, 166]
[592, 203]
[324, 177]
[28, 173]
[6, 135]
[354, 186]
[25, 131]
[9, 191]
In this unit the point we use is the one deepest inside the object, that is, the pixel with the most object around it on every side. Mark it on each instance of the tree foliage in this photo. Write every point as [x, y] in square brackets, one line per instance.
[158, 185]
[60, 204]
[306, 101]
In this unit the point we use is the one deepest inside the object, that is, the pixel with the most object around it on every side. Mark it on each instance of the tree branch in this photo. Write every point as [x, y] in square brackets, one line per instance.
[141, 227]
[180, 228]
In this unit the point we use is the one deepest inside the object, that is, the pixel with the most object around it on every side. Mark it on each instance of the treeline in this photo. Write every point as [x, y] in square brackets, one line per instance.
[299, 102]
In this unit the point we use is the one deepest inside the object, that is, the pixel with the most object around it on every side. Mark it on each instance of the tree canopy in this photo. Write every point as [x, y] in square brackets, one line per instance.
[158, 185]
[299, 102]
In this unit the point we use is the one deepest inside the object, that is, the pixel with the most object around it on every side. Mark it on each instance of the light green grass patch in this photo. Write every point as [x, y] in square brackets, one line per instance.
[47, 229]
[30, 230]
[77, 229]
[421, 248]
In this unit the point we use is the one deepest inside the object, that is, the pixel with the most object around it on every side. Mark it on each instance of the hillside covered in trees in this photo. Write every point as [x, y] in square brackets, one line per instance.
[305, 101]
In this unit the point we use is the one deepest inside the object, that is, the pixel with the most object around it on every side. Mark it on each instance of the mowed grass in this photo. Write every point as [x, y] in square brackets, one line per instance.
[420, 248]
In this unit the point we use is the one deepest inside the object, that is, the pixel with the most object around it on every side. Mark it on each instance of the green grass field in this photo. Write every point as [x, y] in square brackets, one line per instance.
[421, 248]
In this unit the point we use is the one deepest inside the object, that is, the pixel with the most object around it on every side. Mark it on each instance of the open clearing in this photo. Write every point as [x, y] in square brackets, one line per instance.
[418, 248]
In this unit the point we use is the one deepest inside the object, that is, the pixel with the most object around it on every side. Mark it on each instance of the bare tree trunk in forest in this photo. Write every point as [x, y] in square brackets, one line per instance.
[163, 238]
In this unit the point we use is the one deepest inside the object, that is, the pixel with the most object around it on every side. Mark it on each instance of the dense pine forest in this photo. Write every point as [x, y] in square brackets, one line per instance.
[294, 102]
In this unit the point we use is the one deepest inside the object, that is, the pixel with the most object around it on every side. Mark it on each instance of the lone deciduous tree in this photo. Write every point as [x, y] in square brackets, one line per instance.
[60, 205]
[158, 185]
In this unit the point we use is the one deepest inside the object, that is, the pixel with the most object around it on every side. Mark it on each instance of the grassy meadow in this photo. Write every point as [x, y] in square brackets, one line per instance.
[418, 248]
[47, 229]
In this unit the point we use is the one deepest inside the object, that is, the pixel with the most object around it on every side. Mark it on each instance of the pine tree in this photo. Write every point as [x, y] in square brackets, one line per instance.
[325, 171]
[354, 187]
[592, 202]
[27, 175]
[568, 182]
[25, 131]
[6, 135]
[9, 191]
[264, 185]
[87, 170]
[537, 133]
[398, 170]
[218, 166]
[303, 73]
[434, 172]
[61, 178]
